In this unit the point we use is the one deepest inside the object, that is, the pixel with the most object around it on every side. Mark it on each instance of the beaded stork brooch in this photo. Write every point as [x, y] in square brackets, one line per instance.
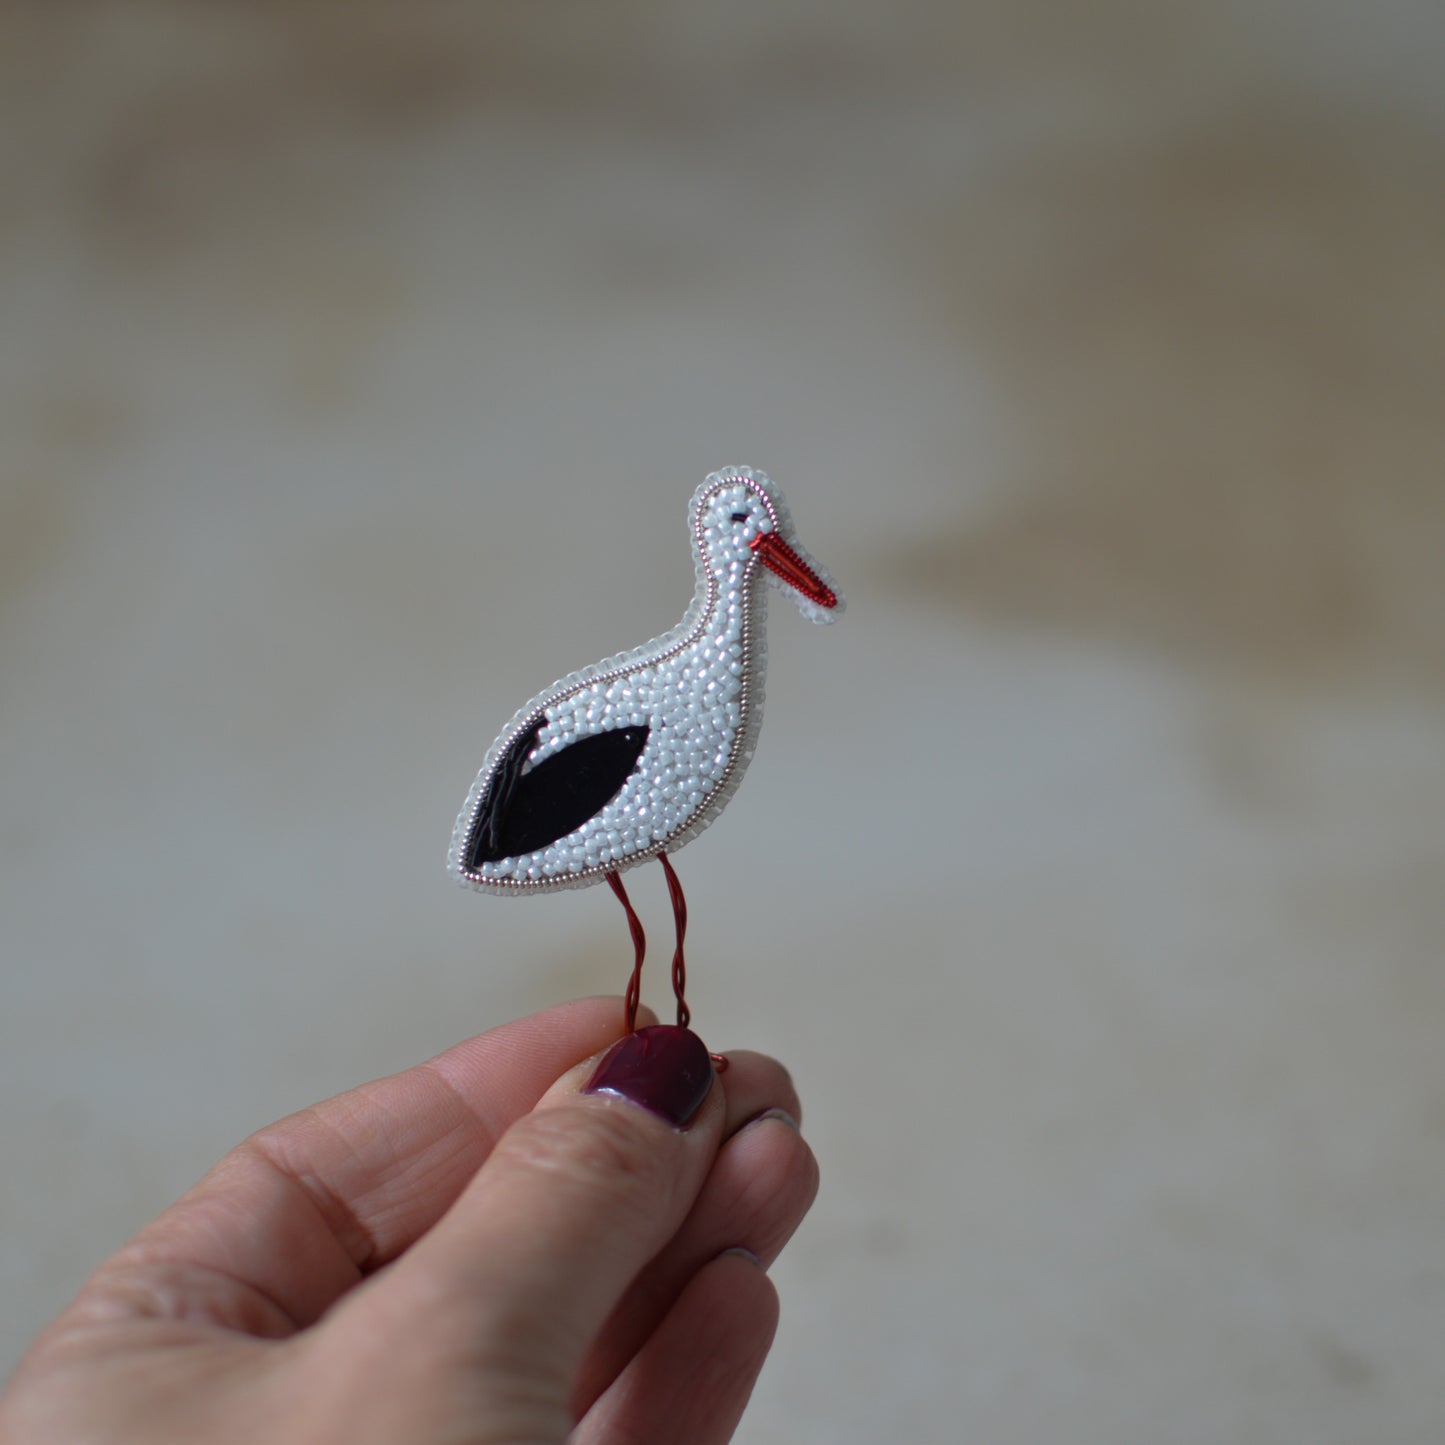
[632, 757]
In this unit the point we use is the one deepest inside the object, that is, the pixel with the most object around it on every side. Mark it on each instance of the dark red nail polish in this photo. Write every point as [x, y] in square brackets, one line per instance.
[664, 1068]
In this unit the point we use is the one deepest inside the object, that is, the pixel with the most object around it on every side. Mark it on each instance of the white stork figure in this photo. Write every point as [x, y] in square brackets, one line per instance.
[632, 757]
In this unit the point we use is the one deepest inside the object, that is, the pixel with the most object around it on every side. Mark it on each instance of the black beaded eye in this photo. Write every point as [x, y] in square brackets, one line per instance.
[740, 516]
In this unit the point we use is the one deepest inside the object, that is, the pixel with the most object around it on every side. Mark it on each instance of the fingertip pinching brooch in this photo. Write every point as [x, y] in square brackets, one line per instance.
[634, 756]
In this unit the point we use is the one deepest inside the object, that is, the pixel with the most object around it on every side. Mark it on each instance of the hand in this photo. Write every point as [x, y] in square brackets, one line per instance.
[459, 1253]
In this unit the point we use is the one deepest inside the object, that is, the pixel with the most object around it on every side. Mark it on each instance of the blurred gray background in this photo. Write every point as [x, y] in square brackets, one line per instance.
[356, 365]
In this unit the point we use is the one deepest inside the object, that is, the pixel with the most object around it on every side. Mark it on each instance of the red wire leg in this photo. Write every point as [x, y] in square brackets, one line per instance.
[679, 963]
[639, 944]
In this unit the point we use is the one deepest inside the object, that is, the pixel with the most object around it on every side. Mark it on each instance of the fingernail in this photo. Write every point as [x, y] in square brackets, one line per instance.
[781, 1115]
[742, 1253]
[665, 1069]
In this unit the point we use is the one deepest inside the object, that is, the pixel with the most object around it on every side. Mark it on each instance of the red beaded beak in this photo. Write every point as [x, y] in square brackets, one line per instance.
[779, 558]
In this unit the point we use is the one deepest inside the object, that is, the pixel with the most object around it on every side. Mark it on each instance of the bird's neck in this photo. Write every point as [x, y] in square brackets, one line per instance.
[727, 602]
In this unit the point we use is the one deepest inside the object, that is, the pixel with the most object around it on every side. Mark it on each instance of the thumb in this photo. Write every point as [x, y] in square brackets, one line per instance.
[573, 1201]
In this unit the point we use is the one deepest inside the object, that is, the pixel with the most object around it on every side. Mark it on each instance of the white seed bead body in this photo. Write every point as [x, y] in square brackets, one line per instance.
[698, 689]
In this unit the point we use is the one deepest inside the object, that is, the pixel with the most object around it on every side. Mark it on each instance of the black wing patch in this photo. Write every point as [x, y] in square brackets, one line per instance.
[524, 812]
[485, 839]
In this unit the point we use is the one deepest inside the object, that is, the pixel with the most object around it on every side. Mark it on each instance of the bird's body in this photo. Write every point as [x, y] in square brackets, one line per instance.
[635, 755]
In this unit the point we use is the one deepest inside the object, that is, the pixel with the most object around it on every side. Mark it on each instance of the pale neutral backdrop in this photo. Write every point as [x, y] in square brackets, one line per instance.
[356, 365]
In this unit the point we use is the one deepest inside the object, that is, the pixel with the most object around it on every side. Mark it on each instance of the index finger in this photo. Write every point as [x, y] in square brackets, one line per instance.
[384, 1161]
[294, 1217]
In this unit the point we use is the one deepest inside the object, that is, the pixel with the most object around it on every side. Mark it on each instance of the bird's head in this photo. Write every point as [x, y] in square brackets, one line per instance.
[739, 517]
